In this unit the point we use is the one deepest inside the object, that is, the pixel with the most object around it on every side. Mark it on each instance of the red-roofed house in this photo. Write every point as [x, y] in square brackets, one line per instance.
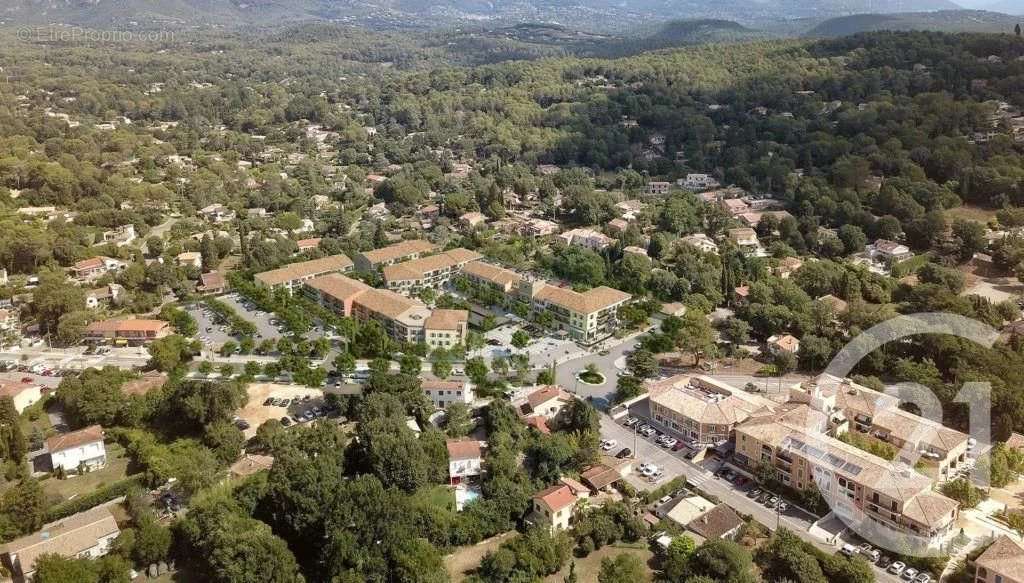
[553, 507]
[23, 394]
[78, 449]
[465, 459]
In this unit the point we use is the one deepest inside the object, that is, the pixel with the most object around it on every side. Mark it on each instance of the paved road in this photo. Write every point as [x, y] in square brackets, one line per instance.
[565, 373]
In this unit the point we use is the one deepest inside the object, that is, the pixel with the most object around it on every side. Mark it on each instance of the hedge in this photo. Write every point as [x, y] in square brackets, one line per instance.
[95, 498]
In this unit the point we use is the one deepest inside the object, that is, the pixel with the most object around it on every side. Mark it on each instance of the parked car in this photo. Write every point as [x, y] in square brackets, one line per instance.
[884, 562]
[664, 500]
[630, 421]
[923, 578]
[670, 442]
[754, 493]
[678, 446]
[649, 470]
[608, 444]
[909, 574]
[783, 507]
[624, 453]
[269, 402]
[285, 421]
[897, 568]
[848, 550]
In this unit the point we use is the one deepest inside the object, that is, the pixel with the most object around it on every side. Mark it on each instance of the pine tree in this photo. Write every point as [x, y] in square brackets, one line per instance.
[1016, 29]
[12, 440]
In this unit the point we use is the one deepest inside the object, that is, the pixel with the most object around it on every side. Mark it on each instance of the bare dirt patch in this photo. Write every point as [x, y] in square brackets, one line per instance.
[588, 567]
[255, 412]
[465, 560]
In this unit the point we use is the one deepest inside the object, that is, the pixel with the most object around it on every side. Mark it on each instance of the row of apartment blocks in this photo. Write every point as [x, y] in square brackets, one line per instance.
[404, 319]
[414, 265]
[798, 440]
[586, 316]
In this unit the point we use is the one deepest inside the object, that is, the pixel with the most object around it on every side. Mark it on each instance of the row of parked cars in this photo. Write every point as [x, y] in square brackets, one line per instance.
[768, 499]
[662, 439]
[886, 563]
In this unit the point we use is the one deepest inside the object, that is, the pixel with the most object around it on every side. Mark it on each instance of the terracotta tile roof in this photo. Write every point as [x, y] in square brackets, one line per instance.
[14, 389]
[600, 476]
[930, 508]
[1015, 441]
[86, 264]
[545, 394]
[439, 385]
[786, 342]
[1005, 557]
[705, 400]
[500, 276]
[304, 244]
[539, 423]
[386, 302]
[418, 268]
[212, 280]
[338, 286]
[464, 449]
[588, 302]
[447, 320]
[576, 487]
[555, 498]
[715, 523]
[305, 269]
[67, 537]
[398, 250]
[90, 434]
[130, 325]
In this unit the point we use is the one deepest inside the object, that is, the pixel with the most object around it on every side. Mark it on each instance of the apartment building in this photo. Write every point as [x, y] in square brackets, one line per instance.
[859, 487]
[404, 319]
[878, 415]
[444, 393]
[397, 253]
[700, 409]
[446, 328]
[429, 272]
[293, 275]
[585, 316]
[485, 276]
[588, 239]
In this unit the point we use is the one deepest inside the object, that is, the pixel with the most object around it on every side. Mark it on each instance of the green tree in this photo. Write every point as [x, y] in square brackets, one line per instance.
[623, 568]
[642, 364]
[441, 367]
[168, 352]
[520, 339]
[345, 363]
[410, 364]
[476, 370]
[457, 421]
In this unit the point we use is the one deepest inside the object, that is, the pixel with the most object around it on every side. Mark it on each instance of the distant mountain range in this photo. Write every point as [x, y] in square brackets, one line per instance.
[944, 21]
[597, 15]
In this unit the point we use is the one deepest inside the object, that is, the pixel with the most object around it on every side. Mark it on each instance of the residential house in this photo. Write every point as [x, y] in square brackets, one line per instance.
[95, 267]
[539, 228]
[472, 220]
[745, 238]
[734, 206]
[211, 283]
[23, 394]
[189, 259]
[587, 238]
[546, 402]
[698, 182]
[888, 252]
[686, 510]
[124, 331]
[1001, 562]
[630, 209]
[429, 272]
[120, 236]
[294, 275]
[603, 475]
[701, 242]
[104, 295]
[465, 459]
[837, 305]
[783, 343]
[217, 213]
[634, 250]
[553, 507]
[305, 245]
[88, 534]
[788, 266]
[78, 450]
[397, 253]
[618, 226]
[721, 522]
[658, 188]
[443, 393]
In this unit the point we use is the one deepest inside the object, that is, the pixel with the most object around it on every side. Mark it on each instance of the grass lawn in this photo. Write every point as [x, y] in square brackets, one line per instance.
[115, 470]
[971, 213]
[588, 567]
[441, 496]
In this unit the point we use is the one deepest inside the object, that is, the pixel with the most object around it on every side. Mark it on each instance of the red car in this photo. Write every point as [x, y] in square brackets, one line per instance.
[678, 446]
[27, 379]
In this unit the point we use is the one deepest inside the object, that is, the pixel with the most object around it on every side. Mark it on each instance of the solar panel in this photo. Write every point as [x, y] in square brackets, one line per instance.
[834, 461]
[852, 468]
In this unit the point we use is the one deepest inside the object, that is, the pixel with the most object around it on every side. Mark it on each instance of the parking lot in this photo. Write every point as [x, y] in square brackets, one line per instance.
[211, 333]
[266, 324]
[278, 401]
